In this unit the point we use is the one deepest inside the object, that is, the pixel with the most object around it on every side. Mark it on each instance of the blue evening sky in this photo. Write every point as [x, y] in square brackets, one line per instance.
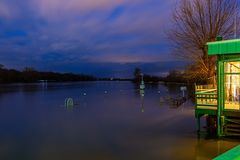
[99, 37]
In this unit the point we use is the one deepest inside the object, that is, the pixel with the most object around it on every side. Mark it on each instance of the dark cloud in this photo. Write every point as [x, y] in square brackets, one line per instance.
[80, 34]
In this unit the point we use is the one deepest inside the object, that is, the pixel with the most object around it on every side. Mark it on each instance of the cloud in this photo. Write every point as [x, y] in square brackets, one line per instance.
[106, 31]
[57, 8]
[5, 10]
[124, 58]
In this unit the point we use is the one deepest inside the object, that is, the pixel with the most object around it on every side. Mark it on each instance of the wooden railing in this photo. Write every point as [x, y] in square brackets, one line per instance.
[206, 97]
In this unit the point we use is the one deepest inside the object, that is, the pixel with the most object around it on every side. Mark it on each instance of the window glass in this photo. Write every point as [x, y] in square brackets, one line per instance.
[232, 85]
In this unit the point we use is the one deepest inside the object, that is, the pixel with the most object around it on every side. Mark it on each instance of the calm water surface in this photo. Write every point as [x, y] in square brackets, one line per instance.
[109, 121]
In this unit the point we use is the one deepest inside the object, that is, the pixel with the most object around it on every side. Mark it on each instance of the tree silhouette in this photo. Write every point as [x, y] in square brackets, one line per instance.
[137, 74]
[197, 22]
[1, 66]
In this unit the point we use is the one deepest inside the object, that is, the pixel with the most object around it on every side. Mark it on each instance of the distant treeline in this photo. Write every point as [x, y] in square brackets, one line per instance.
[173, 76]
[170, 78]
[30, 75]
[115, 79]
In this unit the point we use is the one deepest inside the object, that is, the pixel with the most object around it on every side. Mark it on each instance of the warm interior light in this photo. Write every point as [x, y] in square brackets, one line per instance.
[232, 85]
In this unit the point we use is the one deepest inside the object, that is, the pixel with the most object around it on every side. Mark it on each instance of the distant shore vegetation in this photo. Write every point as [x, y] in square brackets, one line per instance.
[30, 75]
[174, 76]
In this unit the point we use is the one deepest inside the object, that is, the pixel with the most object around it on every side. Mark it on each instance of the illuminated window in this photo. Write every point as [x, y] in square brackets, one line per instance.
[232, 85]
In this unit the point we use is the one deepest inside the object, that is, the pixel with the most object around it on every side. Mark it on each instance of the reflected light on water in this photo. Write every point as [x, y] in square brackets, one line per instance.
[125, 123]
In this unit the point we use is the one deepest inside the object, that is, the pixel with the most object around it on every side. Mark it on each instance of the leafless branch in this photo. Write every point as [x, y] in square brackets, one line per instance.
[196, 22]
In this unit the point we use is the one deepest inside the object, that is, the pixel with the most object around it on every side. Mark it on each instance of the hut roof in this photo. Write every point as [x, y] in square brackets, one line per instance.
[224, 47]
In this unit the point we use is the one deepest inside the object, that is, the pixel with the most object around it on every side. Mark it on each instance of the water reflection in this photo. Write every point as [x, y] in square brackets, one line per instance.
[112, 126]
[142, 99]
[208, 149]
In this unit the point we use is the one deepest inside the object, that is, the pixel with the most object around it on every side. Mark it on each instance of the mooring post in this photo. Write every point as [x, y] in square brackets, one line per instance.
[198, 124]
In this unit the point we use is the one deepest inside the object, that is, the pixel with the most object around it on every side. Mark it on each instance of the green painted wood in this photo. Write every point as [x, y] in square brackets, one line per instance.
[200, 112]
[219, 96]
[224, 47]
[200, 93]
[234, 73]
[227, 51]
[229, 58]
[207, 105]
[233, 154]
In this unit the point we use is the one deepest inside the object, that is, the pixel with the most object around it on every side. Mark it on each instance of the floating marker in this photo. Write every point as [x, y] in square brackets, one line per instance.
[142, 85]
[183, 89]
[84, 94]
[69, 102]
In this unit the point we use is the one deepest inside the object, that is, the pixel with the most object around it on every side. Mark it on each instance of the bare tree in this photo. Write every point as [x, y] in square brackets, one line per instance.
[196, 22]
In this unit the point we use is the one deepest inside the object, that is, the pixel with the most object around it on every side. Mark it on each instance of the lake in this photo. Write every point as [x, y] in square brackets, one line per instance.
[109, 121]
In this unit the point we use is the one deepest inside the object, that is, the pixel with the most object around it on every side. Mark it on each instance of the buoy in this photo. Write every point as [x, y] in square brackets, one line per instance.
[84, 94]
[69, 102]
[142, 85]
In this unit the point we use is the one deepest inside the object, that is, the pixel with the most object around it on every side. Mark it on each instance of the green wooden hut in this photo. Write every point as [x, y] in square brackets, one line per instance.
[222, 100]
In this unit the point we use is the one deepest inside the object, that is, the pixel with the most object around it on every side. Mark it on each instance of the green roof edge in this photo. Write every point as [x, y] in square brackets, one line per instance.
[224, 47]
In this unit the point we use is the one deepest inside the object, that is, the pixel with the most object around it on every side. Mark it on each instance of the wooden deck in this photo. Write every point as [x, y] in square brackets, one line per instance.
[207, 104]
[206, 100]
